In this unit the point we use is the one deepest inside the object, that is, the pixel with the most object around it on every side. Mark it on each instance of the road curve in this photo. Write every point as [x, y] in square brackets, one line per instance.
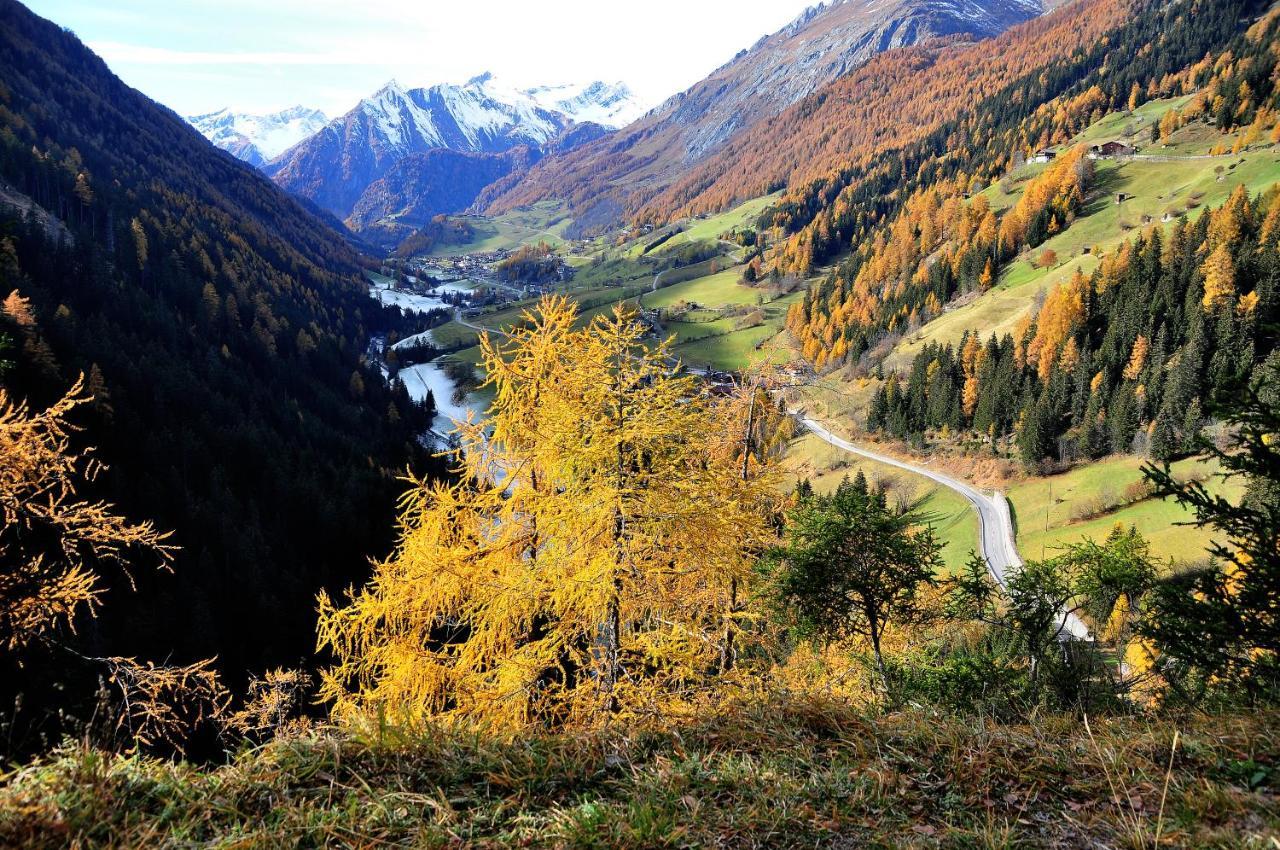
[995, 523]
[457, 317]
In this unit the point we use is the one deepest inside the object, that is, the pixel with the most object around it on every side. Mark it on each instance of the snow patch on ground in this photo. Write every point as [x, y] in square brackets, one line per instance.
[430, 377]
[424, 338]
[410, 301]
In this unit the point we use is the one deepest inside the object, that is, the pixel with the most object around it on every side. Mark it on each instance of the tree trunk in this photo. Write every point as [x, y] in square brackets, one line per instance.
[875, 649]
[728, 653]
[612, 640]
[612, 637]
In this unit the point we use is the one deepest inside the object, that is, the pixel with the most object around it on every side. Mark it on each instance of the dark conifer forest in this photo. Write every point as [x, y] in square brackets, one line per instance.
[221, 328]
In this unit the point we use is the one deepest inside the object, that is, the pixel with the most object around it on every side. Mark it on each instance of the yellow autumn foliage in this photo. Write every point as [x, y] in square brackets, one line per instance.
[52, 542]
[594, 563]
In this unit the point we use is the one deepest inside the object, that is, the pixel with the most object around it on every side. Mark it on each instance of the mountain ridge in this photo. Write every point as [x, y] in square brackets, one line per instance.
[258, 138]
[481, 117]
[821, 45]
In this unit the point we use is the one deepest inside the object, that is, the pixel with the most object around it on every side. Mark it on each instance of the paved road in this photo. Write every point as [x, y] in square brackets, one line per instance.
[995, 524]
[457, 317]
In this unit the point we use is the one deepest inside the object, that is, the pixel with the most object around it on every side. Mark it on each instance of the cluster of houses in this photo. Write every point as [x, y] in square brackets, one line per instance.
[1111, 150]
[461, 267]
[720, 382]
[1105, 150]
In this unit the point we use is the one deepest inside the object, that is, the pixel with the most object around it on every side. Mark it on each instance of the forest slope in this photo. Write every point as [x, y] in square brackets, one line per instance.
[619, 172]
[222, 328]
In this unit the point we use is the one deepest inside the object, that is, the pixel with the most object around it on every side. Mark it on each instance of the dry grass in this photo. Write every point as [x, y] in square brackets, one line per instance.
[782, 775]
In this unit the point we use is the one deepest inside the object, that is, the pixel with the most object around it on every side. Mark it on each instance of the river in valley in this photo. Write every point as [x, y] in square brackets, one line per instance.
[427, 378]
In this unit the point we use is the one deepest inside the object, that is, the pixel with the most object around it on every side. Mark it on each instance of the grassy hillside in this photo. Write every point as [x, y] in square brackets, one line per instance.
[545, 221]
[715, 334]
[952, 518]
[805, 773]
[716, 331]
[712, 225]
[1185, 184]
[453, 335]
[1090, 500]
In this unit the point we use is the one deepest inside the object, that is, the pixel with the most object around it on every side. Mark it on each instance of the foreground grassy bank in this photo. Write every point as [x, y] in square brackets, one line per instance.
[799, 774]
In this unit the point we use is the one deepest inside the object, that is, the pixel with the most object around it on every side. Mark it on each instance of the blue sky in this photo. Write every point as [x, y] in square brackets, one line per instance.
[260, 55]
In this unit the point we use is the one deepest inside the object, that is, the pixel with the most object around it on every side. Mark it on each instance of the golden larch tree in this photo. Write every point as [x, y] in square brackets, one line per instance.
[590, 564]
[1219, 278]
[52, 542]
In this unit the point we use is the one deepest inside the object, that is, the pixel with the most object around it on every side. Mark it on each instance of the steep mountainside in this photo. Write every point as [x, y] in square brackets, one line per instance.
[824, 43]
[258, 139]
[336, 166]
[421, 185]
[893, 101]
[1077, 304]
[221, 327]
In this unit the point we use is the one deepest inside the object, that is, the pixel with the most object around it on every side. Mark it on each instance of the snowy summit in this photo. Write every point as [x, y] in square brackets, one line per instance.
[258, 139]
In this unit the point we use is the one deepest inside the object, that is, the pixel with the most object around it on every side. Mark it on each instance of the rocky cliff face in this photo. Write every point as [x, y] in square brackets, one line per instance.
[824, 43]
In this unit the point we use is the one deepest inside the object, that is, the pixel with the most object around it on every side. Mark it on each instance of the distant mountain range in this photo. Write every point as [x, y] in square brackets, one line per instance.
[402, 155]
[257, 139]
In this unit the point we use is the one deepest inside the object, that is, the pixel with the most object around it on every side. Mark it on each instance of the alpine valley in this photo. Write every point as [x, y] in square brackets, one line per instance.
[875, 443]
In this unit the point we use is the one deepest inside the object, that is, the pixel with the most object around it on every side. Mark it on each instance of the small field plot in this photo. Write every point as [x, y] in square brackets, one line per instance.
[545, 221]
[716, 290]
[1089, 501]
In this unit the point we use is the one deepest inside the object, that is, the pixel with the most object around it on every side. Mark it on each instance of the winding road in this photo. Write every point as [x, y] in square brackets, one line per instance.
[457, 317]
[995, 523]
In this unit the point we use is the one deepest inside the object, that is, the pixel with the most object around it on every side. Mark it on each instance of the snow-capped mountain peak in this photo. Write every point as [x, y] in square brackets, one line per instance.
[400, 133]
[257, 139]
[485, 114]
[607, 104]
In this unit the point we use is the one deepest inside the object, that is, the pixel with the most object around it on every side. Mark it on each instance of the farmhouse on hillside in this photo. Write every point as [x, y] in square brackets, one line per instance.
[1109, 150]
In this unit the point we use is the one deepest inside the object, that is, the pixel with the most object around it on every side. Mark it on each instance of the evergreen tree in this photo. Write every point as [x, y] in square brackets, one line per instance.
[851, 567]
[1219, 626]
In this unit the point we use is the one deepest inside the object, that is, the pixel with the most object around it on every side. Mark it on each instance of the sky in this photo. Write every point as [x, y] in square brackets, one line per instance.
[196, 56]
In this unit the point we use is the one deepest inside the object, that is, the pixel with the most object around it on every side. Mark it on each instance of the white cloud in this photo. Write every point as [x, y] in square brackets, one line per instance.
[137, 54]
